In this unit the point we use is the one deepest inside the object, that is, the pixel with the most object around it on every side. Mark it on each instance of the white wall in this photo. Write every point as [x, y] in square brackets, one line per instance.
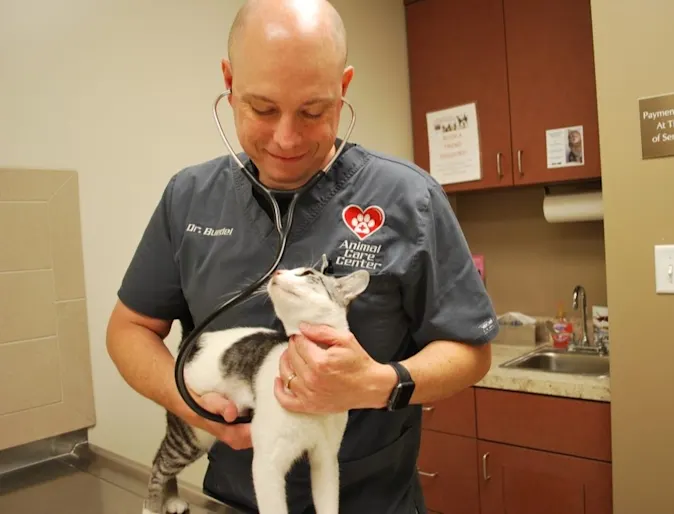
[121, 91]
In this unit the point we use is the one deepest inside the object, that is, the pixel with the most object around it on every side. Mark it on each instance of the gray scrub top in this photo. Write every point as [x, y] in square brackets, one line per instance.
[209, 238]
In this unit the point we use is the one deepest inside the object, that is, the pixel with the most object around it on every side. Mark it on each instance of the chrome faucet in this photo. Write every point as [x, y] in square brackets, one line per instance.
[578, 291]
[584, 344]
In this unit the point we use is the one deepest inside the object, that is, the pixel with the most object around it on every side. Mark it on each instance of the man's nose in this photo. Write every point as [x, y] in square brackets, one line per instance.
[287, 135]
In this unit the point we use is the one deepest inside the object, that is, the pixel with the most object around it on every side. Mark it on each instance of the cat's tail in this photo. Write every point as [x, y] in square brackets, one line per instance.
[179, 448]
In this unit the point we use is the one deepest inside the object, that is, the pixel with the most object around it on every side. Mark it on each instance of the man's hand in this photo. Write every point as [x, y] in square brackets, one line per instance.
[332, 373]
[235, 436]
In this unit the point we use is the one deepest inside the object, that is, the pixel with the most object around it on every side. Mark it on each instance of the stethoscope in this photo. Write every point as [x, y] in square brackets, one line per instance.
[188, 343]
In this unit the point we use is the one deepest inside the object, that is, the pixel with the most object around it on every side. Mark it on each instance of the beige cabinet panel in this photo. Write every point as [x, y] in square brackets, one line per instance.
[25, 236]
[27, 305]
[36, 382]
[44, 345]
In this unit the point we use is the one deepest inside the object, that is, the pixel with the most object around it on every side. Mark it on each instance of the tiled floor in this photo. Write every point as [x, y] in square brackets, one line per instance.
[82, 484]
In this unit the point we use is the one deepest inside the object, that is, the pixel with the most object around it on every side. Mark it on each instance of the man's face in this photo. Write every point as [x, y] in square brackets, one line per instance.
[287, 100]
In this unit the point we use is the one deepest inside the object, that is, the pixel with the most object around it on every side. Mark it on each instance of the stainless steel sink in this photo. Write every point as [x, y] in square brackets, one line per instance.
[554, 360]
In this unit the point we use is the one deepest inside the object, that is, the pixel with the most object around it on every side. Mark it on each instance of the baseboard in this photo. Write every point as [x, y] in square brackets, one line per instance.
[133, 476]
[135, 468]
[36, 452]
[74, 449]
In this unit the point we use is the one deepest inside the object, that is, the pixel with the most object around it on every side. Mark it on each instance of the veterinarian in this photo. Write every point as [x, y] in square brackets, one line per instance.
[211, 235]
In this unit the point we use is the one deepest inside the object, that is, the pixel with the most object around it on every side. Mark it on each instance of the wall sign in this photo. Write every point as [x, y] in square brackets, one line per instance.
[454, 144]
[656, 115]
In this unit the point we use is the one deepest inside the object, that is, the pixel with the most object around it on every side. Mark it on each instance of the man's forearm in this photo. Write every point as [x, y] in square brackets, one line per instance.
[146, 364]
[444, 368]
[440, 370]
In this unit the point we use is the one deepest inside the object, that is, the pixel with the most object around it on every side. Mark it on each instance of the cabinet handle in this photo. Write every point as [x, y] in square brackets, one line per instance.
[499, 156]
[485, 475]
[519, 162]
[427, 408]
[426, 474]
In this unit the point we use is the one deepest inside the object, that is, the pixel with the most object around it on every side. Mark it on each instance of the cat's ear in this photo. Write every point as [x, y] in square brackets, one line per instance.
[353, 284]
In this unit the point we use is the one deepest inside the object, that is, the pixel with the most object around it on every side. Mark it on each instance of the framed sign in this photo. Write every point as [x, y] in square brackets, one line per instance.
[656, 116]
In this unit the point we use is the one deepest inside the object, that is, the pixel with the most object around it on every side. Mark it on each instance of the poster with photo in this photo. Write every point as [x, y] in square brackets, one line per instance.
[565, 147]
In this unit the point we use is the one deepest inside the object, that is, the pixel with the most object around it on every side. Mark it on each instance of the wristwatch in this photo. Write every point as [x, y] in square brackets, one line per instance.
[402, 392]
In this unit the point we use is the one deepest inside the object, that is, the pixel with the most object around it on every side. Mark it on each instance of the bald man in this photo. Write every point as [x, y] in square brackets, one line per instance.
[419, 333]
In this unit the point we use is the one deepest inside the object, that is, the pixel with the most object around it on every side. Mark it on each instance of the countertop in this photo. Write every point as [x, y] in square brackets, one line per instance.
[533, 381]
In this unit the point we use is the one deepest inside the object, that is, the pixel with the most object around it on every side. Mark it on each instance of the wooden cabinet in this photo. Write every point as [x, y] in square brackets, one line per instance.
[449, 473]
[529, 67]
[447, 465]
[562, 425]
[552, 85]
[455, 415]
[525, 481]
[456, 55]
[490, 451]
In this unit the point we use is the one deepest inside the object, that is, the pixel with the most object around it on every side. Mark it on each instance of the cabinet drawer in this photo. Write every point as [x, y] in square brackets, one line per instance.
[454, 415]
[563, 425]
[449, 473]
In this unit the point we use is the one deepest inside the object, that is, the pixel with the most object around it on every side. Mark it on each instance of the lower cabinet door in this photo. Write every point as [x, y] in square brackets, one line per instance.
[524, 481]
[449, 473]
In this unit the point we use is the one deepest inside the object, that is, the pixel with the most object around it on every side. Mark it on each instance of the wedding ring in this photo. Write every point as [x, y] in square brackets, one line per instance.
[290, 379]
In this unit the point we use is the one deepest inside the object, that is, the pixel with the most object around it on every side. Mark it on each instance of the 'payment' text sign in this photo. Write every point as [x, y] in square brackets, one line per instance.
[657, 126]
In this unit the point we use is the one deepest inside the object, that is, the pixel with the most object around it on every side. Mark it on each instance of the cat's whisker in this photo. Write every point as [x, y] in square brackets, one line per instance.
[261, 290]
[232, 294]
[314, 263]
[252, 296]
[317, 263]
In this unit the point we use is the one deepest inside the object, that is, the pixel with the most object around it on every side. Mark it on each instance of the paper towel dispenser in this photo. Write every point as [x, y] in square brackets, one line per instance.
[573, 207]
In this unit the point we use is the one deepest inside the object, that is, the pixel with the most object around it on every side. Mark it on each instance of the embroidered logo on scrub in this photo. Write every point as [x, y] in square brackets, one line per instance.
[361, 222]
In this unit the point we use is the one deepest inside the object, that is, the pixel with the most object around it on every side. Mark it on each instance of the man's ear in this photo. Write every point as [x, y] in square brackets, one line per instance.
[347, 77]
[227, 76]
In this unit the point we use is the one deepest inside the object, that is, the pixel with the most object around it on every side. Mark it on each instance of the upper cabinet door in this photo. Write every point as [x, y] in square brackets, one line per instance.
[552, 86]
[457, 56]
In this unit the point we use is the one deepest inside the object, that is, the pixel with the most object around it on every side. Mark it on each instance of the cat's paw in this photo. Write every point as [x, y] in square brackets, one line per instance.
[176, 506]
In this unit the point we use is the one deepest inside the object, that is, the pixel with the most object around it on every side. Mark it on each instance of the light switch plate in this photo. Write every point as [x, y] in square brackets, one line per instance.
[664, 269]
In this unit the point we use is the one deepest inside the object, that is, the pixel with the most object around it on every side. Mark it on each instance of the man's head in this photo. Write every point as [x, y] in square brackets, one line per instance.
[287, 72]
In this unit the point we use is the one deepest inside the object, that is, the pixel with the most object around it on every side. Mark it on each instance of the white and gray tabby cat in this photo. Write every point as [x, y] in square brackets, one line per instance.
[242, 364]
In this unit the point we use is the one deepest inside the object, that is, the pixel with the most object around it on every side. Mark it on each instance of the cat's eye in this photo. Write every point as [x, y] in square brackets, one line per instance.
[305, 273]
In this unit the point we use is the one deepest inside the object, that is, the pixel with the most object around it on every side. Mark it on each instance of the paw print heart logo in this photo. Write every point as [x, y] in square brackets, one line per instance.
[363, 223]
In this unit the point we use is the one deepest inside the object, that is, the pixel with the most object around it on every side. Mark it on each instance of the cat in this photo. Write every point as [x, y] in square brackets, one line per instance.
[242, 364]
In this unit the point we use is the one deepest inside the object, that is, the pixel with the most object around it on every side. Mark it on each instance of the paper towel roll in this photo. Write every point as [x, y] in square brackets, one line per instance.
[573, 207]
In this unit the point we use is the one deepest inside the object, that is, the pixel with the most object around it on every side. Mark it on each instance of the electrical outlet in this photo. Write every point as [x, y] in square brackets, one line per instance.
[664, 269]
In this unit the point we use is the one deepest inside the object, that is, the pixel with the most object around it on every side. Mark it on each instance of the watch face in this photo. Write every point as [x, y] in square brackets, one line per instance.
[400, 397]
[404, 394]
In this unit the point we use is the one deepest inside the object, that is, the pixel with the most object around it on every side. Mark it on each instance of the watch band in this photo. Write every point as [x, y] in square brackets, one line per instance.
[403, 374]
